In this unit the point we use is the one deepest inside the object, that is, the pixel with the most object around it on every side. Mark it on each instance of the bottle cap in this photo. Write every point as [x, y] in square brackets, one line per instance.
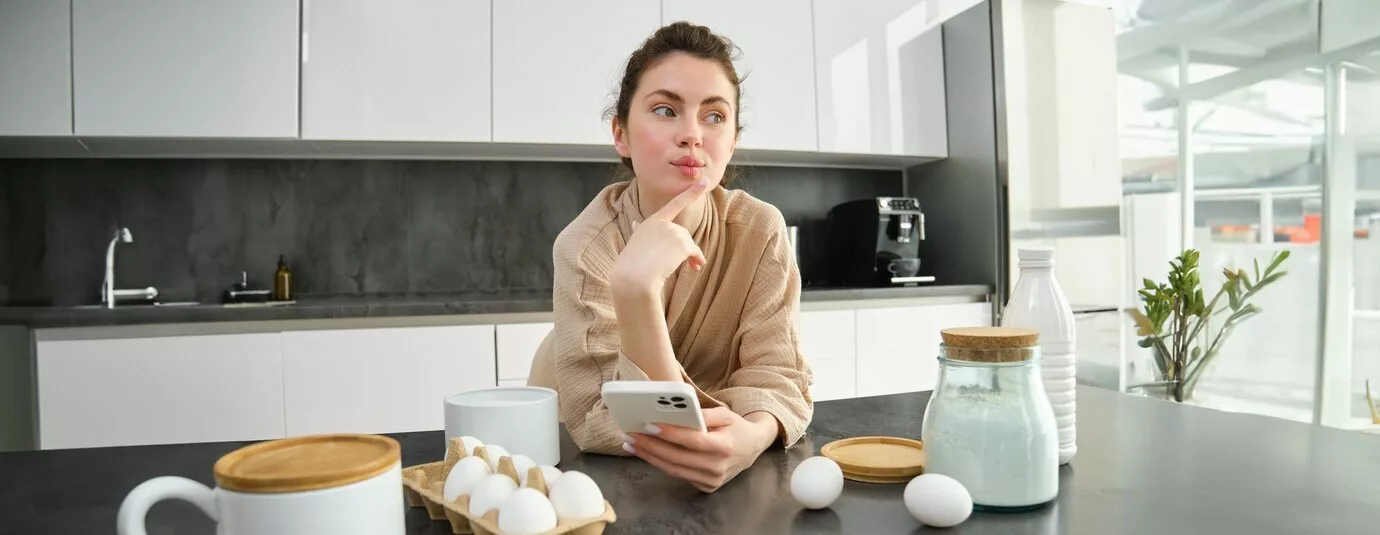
[1036, 253]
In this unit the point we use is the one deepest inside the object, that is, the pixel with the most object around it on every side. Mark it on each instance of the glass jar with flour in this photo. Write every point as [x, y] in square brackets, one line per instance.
[988, 423]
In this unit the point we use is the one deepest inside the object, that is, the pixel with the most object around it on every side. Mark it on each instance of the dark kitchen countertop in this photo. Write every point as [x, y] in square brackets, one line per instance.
[376, 306]
[1144, 466]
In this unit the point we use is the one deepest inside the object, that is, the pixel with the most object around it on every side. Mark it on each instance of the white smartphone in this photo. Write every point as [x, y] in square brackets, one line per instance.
[635, 404]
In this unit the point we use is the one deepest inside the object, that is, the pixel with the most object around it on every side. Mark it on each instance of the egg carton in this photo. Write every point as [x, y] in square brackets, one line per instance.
[423, 484]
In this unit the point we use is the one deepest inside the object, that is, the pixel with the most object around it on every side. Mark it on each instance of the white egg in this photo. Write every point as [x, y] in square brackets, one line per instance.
[463, 476]
[816, 482]
[550, 473]
[522, 463]
[938, 500]
[576, 496]
[470, 443]
[490, 492]
[495, 453]
[526, 512]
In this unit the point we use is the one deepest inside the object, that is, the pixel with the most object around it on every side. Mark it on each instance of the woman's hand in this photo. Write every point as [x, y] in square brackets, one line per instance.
[658, 247]
[706, 460]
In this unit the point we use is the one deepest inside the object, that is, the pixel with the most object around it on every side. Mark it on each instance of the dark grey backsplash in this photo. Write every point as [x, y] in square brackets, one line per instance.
[347, 227]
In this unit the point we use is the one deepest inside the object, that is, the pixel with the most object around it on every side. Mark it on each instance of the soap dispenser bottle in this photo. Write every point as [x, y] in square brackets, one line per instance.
[282, 281]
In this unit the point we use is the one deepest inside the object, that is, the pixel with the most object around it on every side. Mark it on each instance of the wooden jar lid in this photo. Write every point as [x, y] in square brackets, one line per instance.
[306, 463]
[877, 459]
[990, 344]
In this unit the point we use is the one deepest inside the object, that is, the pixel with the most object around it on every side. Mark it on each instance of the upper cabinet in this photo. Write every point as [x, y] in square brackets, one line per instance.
[396, 71]
[192, 68]
[880, 78]
[825, 80]
[778, 101]
[556, 66]
[35, 68]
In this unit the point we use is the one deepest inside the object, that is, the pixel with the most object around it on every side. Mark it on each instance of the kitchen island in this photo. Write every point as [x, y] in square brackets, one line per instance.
[1144, 466]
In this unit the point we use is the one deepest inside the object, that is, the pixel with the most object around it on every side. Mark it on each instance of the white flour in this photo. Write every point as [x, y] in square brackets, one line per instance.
[1005, 455]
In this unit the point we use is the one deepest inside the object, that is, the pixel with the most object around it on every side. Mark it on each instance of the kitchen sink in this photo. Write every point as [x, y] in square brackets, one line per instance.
[141, 305]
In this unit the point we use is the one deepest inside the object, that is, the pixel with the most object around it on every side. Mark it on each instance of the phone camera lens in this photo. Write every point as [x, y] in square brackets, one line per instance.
[678, 399]
[663, 402]
[680, 406]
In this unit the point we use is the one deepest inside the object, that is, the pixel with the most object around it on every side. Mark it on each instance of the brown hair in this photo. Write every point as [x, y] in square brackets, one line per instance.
[692, 39]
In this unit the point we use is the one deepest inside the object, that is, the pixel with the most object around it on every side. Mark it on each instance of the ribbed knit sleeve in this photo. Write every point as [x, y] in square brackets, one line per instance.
[773, 375]
[585, 343]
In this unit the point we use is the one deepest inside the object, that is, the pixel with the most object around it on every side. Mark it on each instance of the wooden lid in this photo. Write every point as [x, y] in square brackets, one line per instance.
[990, 344]
[990, 337]
[306, 463]
[877, 459]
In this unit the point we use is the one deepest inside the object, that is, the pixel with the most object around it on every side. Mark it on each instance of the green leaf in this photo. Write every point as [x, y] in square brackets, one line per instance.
[1257, 267]
[1278, 259]
[1269, 279]
[1234, 297]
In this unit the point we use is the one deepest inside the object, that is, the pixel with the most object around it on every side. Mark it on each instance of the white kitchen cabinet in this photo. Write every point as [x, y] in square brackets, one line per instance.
[381, 380]
[35, 68]
[828, 341]
[898, 346]
[159, 390]
[879, 74]
[775, 37]
[557, 64]
[396, 71]
[192, 68]
[517, 346]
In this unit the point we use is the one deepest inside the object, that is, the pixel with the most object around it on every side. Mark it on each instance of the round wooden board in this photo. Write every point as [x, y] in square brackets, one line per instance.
[877, 459]
[878, 480]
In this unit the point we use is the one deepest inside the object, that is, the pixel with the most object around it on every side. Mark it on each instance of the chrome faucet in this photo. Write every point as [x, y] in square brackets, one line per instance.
[108, 291]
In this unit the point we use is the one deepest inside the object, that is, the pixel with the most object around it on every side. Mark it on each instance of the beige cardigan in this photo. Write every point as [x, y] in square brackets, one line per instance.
[733, 325]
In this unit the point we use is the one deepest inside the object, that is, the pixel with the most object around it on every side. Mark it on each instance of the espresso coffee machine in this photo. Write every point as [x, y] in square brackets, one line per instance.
[876, 242]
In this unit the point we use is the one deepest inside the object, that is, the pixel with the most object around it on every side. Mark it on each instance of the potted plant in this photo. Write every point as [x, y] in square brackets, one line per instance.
[1177, 324]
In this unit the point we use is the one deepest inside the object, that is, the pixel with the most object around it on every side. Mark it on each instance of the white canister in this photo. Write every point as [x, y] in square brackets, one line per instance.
[314, 485]
[524, 420]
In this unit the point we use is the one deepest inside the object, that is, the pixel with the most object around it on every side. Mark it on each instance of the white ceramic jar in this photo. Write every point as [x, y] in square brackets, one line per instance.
[316, 485]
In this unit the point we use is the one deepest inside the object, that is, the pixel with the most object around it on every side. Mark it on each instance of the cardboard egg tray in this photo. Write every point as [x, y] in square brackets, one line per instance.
[423, 485]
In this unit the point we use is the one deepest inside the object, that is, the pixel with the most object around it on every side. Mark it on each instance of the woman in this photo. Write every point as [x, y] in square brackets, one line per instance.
[671, 277]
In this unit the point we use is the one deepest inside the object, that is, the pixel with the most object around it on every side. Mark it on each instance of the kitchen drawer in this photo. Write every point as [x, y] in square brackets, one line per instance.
[159, 390]
[517, 346]
[834, 379]
[383, 380]
[898, 346]
[828, 335]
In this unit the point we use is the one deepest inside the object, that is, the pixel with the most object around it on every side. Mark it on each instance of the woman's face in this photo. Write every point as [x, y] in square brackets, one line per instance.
[681, 125]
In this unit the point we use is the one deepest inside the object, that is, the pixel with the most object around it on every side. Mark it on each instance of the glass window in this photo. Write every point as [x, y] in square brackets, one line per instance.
[1256, 138]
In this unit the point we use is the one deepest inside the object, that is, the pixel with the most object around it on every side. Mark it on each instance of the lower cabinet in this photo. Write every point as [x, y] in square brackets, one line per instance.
[898, 346]
[384, 380]
[517, 346]
[210, 388]
[828, 341]
[237, 387]
[158, 390]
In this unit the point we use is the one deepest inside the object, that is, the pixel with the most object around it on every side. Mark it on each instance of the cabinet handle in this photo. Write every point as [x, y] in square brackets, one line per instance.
[306, 34]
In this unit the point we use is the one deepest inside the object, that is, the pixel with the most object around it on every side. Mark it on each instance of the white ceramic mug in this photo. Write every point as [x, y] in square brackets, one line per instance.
[524, 420]
[370, 507]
